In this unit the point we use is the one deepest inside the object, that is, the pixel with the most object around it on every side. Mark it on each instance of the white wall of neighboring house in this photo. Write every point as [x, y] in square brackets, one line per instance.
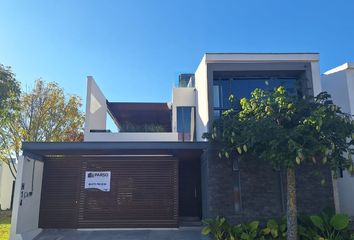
[339, 82]
[25, 211]
[6, 183]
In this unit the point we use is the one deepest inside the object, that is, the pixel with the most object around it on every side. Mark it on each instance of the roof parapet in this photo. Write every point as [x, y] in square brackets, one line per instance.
[343, 67]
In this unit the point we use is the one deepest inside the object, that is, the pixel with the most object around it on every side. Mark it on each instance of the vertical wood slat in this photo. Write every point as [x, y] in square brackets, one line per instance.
[144, 193]
[59, 193]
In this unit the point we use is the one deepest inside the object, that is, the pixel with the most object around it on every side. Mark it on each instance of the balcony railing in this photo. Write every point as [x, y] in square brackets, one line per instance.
[132, 137]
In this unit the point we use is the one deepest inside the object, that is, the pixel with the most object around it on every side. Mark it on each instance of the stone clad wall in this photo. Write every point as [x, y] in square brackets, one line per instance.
[263, 190]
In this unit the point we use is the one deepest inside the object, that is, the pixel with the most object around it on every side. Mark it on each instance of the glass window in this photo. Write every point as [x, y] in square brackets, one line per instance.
[216, 95]
[184, 119]
[225, 93]
[243, 87]
[186, 122]
[216, 114]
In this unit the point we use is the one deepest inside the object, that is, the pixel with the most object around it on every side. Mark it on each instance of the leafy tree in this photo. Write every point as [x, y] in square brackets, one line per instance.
[287, 131]
[45, 114]
[9, 103]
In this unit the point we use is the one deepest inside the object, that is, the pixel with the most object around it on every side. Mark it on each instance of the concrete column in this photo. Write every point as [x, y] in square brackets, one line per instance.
[25, 213]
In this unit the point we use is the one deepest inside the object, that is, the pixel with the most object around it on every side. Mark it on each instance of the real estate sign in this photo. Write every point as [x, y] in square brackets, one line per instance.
[98, 179]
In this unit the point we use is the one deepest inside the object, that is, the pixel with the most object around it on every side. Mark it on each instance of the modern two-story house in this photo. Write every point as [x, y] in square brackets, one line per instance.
[157, 171]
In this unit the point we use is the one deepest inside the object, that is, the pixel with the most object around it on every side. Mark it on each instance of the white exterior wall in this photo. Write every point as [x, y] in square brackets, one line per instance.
[316, 77]
[339, 82]
[96, 108]
[350, 82]
[25, 213]
[336, 85]
[6, 180]
[202, 106]
[181, 97]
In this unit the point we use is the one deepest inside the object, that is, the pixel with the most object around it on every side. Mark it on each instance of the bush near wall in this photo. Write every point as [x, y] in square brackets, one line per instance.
[323, 226]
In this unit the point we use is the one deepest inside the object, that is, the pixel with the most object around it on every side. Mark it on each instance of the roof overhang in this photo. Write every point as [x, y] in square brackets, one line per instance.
[41, 150]
[259, 57]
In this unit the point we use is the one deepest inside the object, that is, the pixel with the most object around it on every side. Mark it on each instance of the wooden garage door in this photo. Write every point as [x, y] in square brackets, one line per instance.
[60, 189]
[143, 193]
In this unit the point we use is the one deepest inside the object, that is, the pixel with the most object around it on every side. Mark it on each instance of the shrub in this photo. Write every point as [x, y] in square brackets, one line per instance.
[217, 228]
[245, 231]
[275, 230]
[324, 226]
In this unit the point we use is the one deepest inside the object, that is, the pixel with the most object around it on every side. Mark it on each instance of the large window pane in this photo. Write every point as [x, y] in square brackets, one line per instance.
[186, 122]
[225, 93]
[243, 87]
[216, 95]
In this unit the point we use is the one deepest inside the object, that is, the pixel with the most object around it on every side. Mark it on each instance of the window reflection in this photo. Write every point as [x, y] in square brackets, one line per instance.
[185, 123]
[242, 87]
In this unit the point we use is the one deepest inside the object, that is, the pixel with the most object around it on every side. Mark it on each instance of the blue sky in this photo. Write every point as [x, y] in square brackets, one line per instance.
[136, 49]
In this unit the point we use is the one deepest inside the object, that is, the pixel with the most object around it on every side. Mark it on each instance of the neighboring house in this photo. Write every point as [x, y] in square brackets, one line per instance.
[158, 171]
[339, 82]
[7, 187]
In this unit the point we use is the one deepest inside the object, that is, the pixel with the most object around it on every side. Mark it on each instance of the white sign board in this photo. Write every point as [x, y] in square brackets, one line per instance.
[99, 180]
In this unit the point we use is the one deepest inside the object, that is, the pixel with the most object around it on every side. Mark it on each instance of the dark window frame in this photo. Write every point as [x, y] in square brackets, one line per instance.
[217, 111]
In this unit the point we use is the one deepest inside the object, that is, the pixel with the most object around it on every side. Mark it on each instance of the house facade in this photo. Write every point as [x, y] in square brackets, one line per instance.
[339, 82]
[157, 170]
[7, 183]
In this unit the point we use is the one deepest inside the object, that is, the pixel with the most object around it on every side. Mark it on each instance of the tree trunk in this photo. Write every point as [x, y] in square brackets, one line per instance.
[291, 233]
[11, 171]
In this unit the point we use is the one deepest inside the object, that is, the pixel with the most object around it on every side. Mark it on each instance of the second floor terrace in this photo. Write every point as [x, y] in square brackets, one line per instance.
[137, 121]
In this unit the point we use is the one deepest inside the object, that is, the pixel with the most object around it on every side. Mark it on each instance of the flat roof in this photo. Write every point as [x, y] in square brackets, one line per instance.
[179, 149]
[262, 53]
[260, 57]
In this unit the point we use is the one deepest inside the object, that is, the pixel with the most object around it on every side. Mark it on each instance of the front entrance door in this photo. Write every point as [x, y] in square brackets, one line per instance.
[189, 189]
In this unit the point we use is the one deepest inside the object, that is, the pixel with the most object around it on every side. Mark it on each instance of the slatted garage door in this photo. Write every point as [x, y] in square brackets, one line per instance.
[61, 181]
[144, 193]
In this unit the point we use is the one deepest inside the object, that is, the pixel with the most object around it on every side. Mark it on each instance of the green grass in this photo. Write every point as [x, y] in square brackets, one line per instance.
[5, 220]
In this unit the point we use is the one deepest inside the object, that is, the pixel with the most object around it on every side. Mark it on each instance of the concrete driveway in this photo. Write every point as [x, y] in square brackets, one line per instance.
[183, 233]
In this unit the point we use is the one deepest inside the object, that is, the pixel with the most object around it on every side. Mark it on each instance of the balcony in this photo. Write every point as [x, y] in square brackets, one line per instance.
[141, 122]
[132, 136]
